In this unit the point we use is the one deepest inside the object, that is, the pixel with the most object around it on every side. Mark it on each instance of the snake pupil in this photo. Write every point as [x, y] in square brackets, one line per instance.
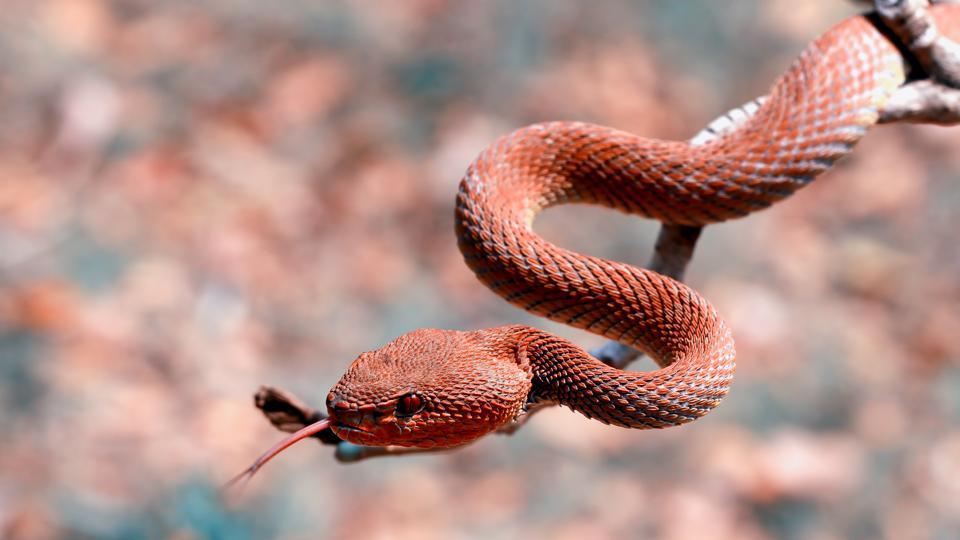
[409, 404]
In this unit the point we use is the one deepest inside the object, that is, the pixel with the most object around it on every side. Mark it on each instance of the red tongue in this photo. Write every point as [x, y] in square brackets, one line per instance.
[303, 433]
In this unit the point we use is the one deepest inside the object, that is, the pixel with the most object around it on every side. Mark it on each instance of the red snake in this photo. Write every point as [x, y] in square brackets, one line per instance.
[441, 388]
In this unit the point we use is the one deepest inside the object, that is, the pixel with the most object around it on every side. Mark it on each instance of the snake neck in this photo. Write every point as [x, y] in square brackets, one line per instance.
[564, 373]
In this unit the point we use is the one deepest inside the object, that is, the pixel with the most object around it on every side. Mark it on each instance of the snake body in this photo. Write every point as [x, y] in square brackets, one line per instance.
[438, 388]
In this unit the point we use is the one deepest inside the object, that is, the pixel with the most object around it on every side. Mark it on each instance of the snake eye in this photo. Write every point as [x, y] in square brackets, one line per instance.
[409, 404]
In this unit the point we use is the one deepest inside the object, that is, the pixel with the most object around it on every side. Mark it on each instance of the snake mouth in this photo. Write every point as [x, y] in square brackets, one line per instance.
[354, 434]
[352, 431]
[349, 428]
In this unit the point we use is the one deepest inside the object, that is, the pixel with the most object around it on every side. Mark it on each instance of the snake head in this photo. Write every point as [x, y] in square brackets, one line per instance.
[430, 388]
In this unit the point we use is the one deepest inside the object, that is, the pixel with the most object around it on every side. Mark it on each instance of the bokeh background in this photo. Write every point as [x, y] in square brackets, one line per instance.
[199, 197]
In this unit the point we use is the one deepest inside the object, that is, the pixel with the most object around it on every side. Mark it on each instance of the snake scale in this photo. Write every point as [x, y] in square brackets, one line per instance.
[440, 388]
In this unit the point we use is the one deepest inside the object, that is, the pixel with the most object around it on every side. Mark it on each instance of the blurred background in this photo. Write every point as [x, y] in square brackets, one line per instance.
[199, 197]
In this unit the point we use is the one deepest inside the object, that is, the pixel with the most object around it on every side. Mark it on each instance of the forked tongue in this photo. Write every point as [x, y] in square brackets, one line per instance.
[301, 434]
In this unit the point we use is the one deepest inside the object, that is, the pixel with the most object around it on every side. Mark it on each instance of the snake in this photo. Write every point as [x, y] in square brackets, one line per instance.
[433, 388]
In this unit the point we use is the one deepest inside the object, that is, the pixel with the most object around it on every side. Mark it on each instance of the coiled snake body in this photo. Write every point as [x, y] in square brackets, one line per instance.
[439, 388]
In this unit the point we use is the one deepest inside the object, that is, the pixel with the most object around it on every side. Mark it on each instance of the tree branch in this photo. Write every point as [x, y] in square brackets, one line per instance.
[938, 56]
[923, 102]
